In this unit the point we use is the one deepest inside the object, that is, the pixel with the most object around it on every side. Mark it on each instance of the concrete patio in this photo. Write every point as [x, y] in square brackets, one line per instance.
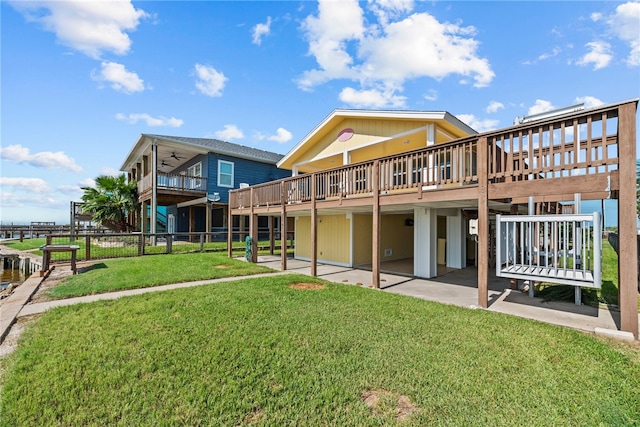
[459, 287]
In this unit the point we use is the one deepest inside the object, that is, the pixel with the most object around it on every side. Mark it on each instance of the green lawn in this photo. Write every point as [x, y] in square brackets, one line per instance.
[142, 272]
[258, 352]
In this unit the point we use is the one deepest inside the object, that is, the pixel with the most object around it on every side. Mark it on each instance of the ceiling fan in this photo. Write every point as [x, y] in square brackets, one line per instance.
[175, 156]
[163, 164]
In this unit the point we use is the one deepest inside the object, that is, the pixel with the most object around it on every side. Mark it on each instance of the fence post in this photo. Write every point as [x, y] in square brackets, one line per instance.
[169, 247]
[87, 247]
[201, 242]
[141, 244]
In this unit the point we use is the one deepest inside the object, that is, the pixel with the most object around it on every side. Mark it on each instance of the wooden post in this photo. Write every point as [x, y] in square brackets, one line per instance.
[314, 228]
[283, 227]
[87, 244]
[229, 231]
[272, 226]
[627, 252]
[483, 225]
[253, 232]
[208, 207]
[375, 232]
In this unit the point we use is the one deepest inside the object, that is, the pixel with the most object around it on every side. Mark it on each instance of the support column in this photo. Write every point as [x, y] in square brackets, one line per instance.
[627, 233]
[425, 239]
[375, 232]
[272, 232]
[253, 232]
[483, 224]
[229, 232]
[154, 193]
[283, 227]
[314, 228]
[208, 206]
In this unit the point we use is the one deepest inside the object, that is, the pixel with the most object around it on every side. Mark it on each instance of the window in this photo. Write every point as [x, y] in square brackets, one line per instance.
[225, 174]
[192, 172]
[195, 170]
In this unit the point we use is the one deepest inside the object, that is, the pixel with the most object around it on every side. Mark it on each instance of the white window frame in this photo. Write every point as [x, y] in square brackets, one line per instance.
[193, 171]
[224, 162]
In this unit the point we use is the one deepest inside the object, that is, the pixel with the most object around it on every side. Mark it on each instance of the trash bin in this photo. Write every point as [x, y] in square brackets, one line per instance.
[249, 248]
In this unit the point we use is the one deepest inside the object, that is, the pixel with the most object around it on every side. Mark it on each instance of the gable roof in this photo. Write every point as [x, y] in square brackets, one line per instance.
[338, 115]
[203, 145]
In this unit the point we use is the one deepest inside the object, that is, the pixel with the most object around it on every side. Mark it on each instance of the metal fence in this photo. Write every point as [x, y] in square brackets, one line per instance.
[122, 245]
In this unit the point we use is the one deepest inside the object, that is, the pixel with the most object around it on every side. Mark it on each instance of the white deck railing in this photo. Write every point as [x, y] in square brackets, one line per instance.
[564, 249]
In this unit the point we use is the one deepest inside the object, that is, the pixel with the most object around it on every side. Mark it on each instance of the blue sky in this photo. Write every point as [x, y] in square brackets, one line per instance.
[81, 80]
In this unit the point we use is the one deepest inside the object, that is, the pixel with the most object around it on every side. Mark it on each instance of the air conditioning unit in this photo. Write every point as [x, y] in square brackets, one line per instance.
[244, 185]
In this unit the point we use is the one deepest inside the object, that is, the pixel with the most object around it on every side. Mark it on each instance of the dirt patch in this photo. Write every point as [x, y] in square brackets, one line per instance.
[222, 266]
[254, 416]
[10, 342]
[384, 403]
[307, 286]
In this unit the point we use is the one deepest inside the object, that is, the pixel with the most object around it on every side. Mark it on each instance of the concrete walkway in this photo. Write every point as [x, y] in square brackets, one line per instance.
[457, 288]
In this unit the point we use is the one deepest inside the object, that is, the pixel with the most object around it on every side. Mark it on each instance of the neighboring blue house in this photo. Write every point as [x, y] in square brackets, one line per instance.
[191, 179]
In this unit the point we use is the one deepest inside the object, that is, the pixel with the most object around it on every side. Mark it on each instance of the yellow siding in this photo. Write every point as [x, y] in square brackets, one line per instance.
[365, 131]
[303, 237]
[397, 236]
[334, 234]
[362, 225]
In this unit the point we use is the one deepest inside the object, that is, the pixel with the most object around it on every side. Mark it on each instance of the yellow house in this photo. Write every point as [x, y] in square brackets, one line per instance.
[420, 193]
[348, 137]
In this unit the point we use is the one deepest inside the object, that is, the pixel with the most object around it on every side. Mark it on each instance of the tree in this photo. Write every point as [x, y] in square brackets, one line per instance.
[111, 201]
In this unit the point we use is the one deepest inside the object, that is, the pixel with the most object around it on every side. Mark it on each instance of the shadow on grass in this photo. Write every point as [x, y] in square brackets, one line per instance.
[96, 266]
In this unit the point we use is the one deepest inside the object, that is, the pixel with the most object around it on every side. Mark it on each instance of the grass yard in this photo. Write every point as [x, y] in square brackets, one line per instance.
[143, 272]
[259, 352]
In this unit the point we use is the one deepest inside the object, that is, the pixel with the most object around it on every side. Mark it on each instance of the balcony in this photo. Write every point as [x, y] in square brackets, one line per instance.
[172, 188]
[557, 156]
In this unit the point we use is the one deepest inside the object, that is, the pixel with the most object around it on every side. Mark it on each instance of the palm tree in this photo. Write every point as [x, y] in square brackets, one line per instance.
[111, 201]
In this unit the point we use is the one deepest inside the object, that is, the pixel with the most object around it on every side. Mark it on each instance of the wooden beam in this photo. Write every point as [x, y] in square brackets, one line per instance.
[627, 252]
[375, 232]
[539, 188]
[483, 224]
[314, 228]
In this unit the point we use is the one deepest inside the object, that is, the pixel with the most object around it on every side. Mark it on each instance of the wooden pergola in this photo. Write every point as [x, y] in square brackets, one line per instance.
[591, 153]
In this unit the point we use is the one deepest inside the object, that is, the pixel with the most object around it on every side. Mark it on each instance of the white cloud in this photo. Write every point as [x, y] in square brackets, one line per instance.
[88, 182]
[431, 95]
[554, 52]
[494, 106]
[383, 53]
[478, 124]
[210, 81]
[625, 23]
[45, 159]
[595, 17]
[69, 189]
[121, 80]
[109, 172]
[371, 98]
[149, 120]
[540, 106]
[35, 185]
[599, 55]
[260, 31]
[589, 101]
[90, 27]
[229, 132]
[282, 135]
